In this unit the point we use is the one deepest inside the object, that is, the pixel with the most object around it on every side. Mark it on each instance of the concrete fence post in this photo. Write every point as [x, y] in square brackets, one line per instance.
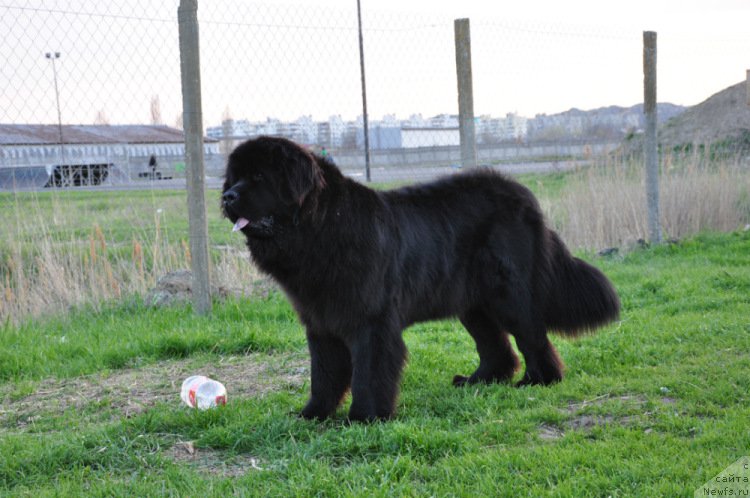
[651, 153]
[465, 93]
[187, 16]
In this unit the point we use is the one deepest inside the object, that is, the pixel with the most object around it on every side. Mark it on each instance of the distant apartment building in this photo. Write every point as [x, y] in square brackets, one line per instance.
[430, 137]
[444, 121]
[511, 128]
[381, 137]
[331, 133]
[387, 133]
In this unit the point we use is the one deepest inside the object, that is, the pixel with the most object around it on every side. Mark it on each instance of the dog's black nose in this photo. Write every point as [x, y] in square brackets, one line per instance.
[230, 197]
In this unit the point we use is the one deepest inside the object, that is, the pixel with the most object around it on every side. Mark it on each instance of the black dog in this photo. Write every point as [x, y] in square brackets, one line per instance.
[359, 266]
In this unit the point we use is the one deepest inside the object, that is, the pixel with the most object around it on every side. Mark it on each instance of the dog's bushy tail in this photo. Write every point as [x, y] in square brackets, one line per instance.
[579, 298]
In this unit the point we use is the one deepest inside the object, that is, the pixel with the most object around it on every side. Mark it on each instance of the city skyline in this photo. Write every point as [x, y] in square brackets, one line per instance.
[603, 124]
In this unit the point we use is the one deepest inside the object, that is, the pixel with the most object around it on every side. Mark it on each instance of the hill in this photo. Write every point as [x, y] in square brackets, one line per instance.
[612, 122]
[722, 118]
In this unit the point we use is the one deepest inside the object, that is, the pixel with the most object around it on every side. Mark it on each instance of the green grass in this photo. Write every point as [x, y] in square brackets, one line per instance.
[66, 214]
[132, 334]
[548, 186]
[654, 405]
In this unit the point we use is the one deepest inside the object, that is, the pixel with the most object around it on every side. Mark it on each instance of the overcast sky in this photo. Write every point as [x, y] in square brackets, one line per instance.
[546, 56]
[287, 58]
[724, 16]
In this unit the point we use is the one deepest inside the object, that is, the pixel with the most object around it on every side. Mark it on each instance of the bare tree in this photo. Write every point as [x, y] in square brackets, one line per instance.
[227, 144]
[227, 114]
[156, 111]
[101, 118]
[178, 122]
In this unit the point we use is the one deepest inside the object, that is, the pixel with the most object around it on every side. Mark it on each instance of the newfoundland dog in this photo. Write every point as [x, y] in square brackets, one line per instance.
[361, 265]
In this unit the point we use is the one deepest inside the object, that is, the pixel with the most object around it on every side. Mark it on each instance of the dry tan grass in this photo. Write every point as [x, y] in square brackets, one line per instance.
[606, 205]
[54, 268]
[50, 263]
[60, 276]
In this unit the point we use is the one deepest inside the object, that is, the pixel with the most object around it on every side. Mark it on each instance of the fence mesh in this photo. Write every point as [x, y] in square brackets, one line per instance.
[91, 94]
[99, 82]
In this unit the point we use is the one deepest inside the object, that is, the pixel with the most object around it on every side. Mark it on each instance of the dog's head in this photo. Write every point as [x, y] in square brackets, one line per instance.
[266, 184]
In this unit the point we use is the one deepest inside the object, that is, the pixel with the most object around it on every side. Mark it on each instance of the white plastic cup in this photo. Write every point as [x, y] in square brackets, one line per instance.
[198, 391]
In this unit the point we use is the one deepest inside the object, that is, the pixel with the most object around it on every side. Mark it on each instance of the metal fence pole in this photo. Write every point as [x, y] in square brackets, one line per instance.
[53, 56]
[365, 120]
[187, 15]
[465, 93]
[650, 140]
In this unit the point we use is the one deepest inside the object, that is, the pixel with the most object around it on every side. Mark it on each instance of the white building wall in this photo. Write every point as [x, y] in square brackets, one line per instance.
[430, 137]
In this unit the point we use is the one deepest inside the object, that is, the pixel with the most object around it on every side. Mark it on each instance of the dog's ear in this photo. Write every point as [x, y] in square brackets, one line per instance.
[301, 171]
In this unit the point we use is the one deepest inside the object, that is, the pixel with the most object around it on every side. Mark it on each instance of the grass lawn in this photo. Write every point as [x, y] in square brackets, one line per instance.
[655, 405]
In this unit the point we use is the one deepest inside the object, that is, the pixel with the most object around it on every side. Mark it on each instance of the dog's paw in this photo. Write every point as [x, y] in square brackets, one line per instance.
[538, 380]
[313, 411]
[356, 414]
[460, 380]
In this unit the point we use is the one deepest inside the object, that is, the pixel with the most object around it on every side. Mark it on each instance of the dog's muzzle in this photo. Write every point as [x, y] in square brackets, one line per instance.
[229, 198]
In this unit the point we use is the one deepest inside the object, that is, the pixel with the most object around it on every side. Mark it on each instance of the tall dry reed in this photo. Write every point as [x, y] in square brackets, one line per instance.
[51, 260]
[48, 266]
[605, 206]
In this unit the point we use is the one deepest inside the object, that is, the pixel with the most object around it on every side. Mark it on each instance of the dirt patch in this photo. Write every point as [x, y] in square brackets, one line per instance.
[124, 393]
[581, 420]
[588, 422]
[626, 399]
[215, 462]
[550, 432]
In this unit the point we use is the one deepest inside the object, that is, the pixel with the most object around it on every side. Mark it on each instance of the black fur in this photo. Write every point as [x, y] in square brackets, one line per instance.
[359, 266]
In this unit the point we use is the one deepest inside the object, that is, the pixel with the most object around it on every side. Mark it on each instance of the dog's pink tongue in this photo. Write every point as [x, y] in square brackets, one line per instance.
[240, 224]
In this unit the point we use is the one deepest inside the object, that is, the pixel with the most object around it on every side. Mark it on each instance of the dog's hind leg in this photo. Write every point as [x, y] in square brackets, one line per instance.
[518, 315]
[497, 360]
[330, 374]
[543, 364]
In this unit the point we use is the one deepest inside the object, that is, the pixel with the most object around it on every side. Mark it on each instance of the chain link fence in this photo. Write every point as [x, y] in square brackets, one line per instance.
[91, 90]
[92, 98]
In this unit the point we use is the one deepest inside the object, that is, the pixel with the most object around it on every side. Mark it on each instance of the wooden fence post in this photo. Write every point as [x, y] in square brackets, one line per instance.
[187, 15]
[465, 93]
[651, 153]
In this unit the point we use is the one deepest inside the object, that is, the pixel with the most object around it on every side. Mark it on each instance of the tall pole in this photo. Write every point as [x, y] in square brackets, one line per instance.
[466, 131]
[54, 56]
[651, 153]
[187, 18]
[364, 93]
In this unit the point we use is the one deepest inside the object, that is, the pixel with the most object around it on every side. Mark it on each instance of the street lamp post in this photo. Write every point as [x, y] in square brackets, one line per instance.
[53, 56]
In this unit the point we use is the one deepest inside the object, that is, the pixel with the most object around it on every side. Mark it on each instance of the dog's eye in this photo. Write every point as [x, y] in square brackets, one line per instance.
[257, 178]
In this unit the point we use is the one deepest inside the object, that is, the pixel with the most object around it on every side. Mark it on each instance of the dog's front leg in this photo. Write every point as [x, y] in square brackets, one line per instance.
[330, 375]
[378, 356]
